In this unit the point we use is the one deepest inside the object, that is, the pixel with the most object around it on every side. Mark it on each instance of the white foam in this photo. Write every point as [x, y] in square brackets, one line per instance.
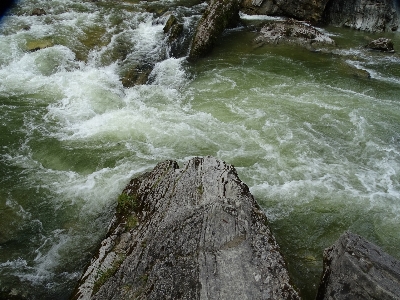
[260, 17]
[169, 73]
[374, 74]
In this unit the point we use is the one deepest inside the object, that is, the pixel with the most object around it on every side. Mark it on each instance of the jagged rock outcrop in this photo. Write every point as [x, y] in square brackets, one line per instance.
[368, 15]
[381, 44]
[190, 233]
[357, 269]
[219, 15]
[293, 32]
[309, 10]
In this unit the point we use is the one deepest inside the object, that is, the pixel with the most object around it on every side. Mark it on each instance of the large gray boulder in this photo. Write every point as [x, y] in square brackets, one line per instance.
[367, 15]
[358, 270]
[309, 10]
[219, 15]
[190, 233]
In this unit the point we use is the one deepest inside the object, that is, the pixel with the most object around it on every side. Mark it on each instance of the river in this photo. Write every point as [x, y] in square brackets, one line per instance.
[317, 143]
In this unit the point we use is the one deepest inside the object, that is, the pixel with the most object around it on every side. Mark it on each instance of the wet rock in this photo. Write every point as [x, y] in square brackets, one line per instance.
[38, 12]
[381, 44]
[33, 46]
[368, 15]
[190, 233]
[136, 75]
[292, 32]
[357, 269]
[219, 15]
[309, 10]
[170, 22]
[177, 39]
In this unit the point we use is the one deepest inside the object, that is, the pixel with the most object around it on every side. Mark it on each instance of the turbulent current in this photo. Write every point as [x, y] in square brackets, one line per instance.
[315, 139]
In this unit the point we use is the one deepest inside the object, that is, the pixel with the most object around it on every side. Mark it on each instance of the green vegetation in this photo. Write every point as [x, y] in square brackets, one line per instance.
[144, 278]
[104, 275]
[126, 203]
[200, 189]
[131, 222]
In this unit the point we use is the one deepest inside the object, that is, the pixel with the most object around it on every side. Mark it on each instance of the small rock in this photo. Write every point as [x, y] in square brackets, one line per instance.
[381, 44]
[38, 12]
[172, 28]
[137, 75]
[170, 22]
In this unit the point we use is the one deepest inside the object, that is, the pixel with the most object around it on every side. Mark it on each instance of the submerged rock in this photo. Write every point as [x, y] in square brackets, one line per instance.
[219, 15]
[381, 44]
[309, 10]
[190, 233]
[37, 45]
[135, 75]
[292, 32]
[38, 12]
[357, 269]
[348, 68]
[368, 15]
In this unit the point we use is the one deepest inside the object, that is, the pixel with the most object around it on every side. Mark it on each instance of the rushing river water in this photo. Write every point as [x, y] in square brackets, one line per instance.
[317, 142]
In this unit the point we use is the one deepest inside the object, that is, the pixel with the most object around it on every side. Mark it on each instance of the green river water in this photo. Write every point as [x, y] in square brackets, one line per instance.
[316, 141]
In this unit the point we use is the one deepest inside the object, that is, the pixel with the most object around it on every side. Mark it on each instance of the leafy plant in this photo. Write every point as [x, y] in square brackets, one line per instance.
[126, 203]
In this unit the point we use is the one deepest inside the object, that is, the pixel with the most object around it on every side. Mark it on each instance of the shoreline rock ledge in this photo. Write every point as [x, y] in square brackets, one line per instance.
[190, 233]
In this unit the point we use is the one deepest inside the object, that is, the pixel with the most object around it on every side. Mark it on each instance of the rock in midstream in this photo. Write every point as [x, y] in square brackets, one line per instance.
[357, 269]
[381, 44]
[219, 15]
[293, 32]
[190, 233]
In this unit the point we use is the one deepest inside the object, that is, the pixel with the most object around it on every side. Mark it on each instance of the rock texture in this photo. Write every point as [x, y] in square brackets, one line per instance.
[178, 37]
[293, 32]
[190, 233]
[381, 44]
[218, 16]
[309, 10]
[368, 15]
[38, 12]
[357, 269]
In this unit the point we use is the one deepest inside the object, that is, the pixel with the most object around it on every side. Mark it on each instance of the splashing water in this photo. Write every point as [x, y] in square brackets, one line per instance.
[317, 142]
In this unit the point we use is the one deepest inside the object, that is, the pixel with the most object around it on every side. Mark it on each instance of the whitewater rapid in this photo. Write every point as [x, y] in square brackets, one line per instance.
[317, 144]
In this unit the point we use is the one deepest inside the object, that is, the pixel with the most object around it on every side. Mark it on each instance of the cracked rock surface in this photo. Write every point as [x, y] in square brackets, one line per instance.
[357, 269]
[198, 234]
[367, 15]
